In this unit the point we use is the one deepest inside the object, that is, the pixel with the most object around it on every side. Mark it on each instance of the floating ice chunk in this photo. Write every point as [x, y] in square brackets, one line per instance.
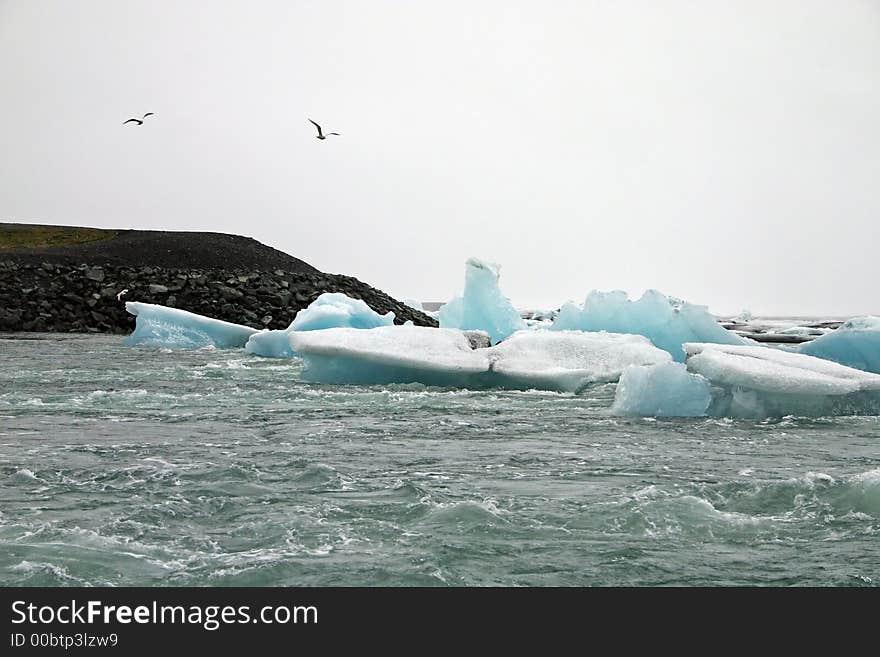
[666, 390]
[568, 360]
[270, 344]
[666, 321]
[336, 310]
[544, 360]
[747, 381]
[389, 354]
[330, 310]
[855, 344]
[482, 306]
[752, 381]
[160, 326]
[773, 370]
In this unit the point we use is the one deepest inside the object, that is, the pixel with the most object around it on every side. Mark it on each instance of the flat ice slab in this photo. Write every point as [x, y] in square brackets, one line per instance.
[561, 361]
[774, 370]
[747, 381]
[161, 326]
[568, 360]
[389, 354]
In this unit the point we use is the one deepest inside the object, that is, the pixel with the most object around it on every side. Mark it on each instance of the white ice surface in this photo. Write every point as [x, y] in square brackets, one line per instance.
[562, 361]
[773, 370]
[568, 360]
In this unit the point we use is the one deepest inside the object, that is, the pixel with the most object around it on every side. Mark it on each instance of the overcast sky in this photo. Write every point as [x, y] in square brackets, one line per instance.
[723, 152]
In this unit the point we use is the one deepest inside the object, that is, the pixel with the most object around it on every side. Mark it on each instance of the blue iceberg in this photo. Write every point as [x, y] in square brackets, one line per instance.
[665, 321]
[482, 306]
[330, 310]
[666, 390]
[855, 344]
[336, 310]
[160, 326]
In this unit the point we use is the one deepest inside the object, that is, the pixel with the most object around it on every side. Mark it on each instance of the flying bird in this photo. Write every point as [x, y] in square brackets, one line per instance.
[321, 134]
[139, 121]
[121, 294]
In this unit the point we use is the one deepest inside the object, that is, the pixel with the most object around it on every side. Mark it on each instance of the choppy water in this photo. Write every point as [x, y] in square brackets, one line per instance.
[140, 467]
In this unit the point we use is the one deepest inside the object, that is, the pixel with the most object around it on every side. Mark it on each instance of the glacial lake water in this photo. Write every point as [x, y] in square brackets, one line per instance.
[124, 466]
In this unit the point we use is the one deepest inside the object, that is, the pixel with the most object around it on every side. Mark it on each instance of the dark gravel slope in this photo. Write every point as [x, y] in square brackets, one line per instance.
[156, 248]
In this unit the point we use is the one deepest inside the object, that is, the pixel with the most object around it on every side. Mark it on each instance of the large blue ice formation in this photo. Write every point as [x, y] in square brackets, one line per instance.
[754, 381]
[160, 326]
[666, 390]
[330, 310]
[666, 321]
[561, 361]
[482, 306]
[855, 344]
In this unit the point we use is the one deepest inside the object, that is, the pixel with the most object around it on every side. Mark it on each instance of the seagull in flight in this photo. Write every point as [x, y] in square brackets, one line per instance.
[121, 294]
[139, 121]
[321, 134]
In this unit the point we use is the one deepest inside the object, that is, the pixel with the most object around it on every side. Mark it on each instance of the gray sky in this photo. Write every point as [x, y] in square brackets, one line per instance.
[723, 152]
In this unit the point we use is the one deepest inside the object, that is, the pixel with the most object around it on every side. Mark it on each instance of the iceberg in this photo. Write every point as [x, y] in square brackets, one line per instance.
[558, 361]
[747, 381]
[482, 306]
[855, 344]
[160, 326]
[666, 390]
[390, 354]
[567, 361]
[666, 321]
[270, 344]
[330, 310]
[776, 371]
[336, 310]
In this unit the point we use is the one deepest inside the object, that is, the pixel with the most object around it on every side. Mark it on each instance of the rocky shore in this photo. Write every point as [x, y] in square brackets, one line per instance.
[49, 296]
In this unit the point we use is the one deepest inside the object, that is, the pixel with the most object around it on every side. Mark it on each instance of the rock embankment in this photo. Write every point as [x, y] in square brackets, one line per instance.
[52, 296]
